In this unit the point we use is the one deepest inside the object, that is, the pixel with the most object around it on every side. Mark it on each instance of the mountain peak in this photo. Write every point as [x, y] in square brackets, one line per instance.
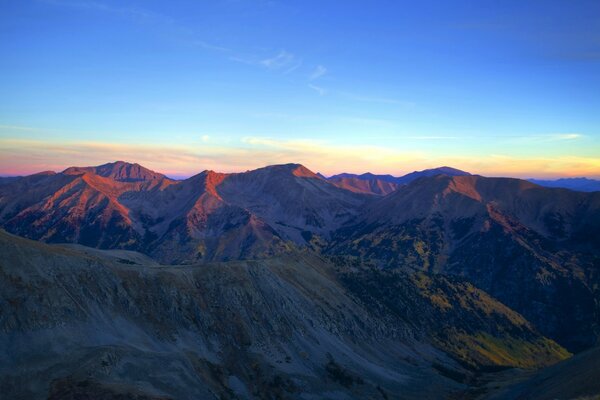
[295, 169]
[44, 173]
[450, 171]
[445, 170]
[119, 171]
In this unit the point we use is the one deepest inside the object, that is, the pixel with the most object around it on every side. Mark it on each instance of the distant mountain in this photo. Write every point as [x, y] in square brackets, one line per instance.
[205, 217]
[579, 184]
[362, 184]
[79, 205]
[366, 176]
[120, 171]
[384, 184]
[430, 172]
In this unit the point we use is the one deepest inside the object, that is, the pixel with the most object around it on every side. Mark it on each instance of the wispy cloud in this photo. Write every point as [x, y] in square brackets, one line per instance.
[549, 137]
[432, 137]
[143, 16]
[565, 136]
[282, 61]
[135, 13]
[371, 99]
[210, 46]
[318, 72]
[318, 89]
[16, 128]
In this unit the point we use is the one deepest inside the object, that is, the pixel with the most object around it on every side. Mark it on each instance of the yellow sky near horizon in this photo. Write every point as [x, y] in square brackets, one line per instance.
[22, 157]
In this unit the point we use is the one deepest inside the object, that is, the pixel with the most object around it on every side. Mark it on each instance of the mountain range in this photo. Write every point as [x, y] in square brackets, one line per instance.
[385, 184]
[579, 184]
[281, 283]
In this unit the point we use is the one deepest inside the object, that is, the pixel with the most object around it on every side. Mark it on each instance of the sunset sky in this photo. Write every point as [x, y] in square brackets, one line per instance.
[506, 88]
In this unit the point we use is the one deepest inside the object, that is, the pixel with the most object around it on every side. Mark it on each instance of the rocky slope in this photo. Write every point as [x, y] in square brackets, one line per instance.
[210, 216]
[82, 322]
[534, 248]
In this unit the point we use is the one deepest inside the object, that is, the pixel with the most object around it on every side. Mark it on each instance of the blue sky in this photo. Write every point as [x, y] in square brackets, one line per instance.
[497, 88]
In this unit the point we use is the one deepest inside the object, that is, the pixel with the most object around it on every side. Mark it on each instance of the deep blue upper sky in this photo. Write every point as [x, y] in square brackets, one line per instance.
[496, 87]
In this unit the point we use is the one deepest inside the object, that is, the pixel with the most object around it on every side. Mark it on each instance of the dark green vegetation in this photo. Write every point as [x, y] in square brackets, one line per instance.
[275, 283]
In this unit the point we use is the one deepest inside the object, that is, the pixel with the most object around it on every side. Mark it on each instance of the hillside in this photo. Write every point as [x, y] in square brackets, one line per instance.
[533, 248]
[77, 322]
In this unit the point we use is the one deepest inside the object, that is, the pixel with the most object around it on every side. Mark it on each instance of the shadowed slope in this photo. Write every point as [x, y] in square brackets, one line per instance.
[534, 248]
[575, 378]
[294, 201]
[190, 222]
[72, 319]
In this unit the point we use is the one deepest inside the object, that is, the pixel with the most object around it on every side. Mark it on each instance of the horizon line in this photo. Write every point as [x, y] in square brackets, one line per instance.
[183, 176]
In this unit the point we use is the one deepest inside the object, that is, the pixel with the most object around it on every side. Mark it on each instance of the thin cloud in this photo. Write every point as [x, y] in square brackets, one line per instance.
[432, 137]
[143, 16]
[566, 136]
[210, 46]
[136, 14]
[317, 73]
[243, 60]
[550, 137]
[281, 60]
[318, 89]
[17, 128]
[381, 100]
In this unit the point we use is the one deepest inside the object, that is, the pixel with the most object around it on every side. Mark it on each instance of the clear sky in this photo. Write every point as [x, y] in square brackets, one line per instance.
[492, 87]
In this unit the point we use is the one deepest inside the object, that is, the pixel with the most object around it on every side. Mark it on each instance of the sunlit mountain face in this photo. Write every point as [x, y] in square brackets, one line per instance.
[315, 200]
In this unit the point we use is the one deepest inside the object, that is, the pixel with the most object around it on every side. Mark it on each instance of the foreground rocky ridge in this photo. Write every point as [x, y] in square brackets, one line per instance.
[84, 321]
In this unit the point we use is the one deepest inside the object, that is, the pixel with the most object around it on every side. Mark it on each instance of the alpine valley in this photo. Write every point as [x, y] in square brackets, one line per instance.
[118, 282]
